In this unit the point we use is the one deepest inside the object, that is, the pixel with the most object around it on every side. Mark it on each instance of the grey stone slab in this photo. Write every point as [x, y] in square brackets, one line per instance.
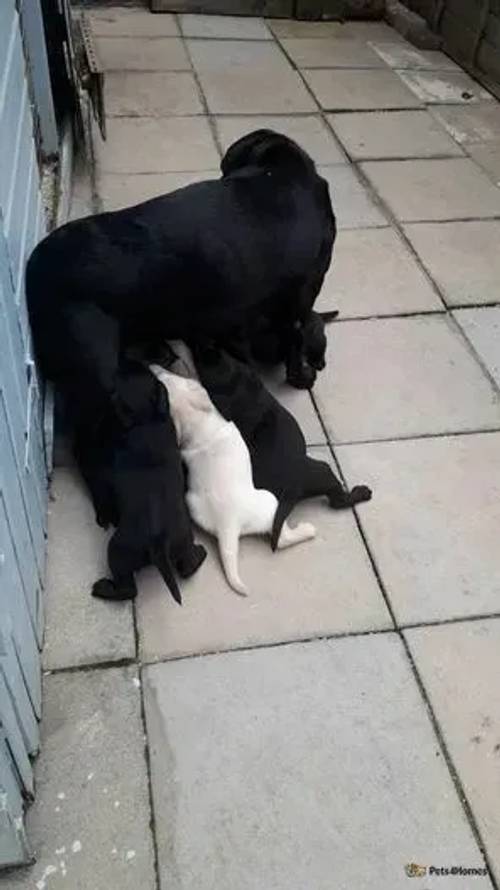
[443, 87]
[462, 257]
[122, 22]
[281, 768]
[151, 94]
[392, 134]
[224, 26]
[117, 190]
[468, 125]
[235, 76]
[374, 273]
[429, 190]
[404, 55]
[488, 158]
[482, 328]
[143, 54]
[347, 30]
[432, 525]
[331, 52]
[79, 630]
[352, 202]
[350, 90]
[315, 589]
[309, 131]
[90, 822]
[457, 664]
[398, 377]
[174, 144]
[299, 403]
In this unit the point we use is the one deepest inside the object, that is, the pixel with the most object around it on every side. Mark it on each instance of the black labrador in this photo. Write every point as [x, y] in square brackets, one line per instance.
[277, 447]
[136, 480]
[210, 260]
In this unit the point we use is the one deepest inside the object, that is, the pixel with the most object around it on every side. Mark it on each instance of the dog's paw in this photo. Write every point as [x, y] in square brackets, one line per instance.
[360, 493]
[105, 589]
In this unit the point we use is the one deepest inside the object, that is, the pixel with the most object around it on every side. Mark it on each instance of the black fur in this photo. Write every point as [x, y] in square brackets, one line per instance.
[208, 260]
[137, 484]
[277, 447]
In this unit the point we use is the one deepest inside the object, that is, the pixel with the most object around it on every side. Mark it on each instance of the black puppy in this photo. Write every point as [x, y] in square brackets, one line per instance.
[277, 447]
[206, 261]
[137, 483]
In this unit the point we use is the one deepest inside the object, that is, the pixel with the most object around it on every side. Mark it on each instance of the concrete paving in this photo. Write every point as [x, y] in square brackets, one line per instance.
[359, 731]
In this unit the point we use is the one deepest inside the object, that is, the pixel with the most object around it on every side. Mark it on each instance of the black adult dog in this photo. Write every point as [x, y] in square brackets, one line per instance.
[309, 353]
[209, 260]
[137, 484]
[277, 447]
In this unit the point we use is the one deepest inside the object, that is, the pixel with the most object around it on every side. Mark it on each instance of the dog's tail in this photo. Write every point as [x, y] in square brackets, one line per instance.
[228, 539]
[161, 560]
[329, 316]
[285, 507]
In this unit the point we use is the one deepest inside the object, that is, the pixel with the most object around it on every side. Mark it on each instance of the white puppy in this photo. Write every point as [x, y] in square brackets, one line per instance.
[221, 496]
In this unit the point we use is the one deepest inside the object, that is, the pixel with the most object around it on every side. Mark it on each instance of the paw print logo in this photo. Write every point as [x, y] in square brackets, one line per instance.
[413, 870]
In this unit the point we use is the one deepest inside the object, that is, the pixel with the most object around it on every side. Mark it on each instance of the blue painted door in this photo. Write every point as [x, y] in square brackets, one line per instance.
[23, 474]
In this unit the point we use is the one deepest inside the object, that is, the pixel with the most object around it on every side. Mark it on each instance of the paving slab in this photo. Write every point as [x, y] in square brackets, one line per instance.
[146, 54]
[123, 22]
[441, 87]
[373, 273]
[315, 589]
[353, 204]
[350, 90]
[235, 77]
[470, 124]
[401, 55]
[78, 629]
[432, 525]
[331, 52]
[283, 767]
[462, 257]
[174, 144]
[309, 131]
[298, 402]
[429, 190]
[482, 328]
[395, 377]
[224, 26]
[90, 822]
[151, 94]
[117, 190]
[487, 156]
[392, 134]
[457, 664]
[350, 30]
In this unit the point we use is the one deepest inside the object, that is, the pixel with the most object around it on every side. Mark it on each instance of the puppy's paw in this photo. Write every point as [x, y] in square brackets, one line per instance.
[105, 589]
[308, 530]
[360, 493]
[187, 566]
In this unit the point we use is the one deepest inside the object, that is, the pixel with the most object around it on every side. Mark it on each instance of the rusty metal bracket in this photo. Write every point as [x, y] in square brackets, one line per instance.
[92, 73]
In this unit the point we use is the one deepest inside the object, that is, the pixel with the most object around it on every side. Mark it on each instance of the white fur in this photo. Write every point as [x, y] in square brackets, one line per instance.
[221, 498]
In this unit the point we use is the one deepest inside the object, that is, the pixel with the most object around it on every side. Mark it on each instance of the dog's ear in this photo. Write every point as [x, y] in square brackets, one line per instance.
[265, 149]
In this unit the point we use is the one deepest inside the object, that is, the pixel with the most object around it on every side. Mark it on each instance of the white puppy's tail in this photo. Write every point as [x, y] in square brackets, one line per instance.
[289, 536]
[228, 539]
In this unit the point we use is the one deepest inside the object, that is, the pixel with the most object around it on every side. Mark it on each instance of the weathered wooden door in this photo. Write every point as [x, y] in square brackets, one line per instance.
[23, 475]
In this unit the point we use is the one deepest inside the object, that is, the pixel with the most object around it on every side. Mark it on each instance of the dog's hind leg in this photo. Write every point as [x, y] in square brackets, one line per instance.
[228, 538]
[190, 559]
[289, 536]
[319, 479]
[122, 564]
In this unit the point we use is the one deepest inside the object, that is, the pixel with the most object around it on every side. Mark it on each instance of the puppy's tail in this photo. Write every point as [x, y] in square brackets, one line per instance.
[285, 507]
[329, 316]
[160, 559]
[228, 539]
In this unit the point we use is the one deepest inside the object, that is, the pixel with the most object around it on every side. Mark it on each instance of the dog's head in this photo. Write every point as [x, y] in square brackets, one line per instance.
[188, 400]
[265, 150]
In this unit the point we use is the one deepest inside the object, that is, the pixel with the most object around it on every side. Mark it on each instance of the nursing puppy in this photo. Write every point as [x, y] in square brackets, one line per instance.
[137, 483]
[275, 441]
[221, 496]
